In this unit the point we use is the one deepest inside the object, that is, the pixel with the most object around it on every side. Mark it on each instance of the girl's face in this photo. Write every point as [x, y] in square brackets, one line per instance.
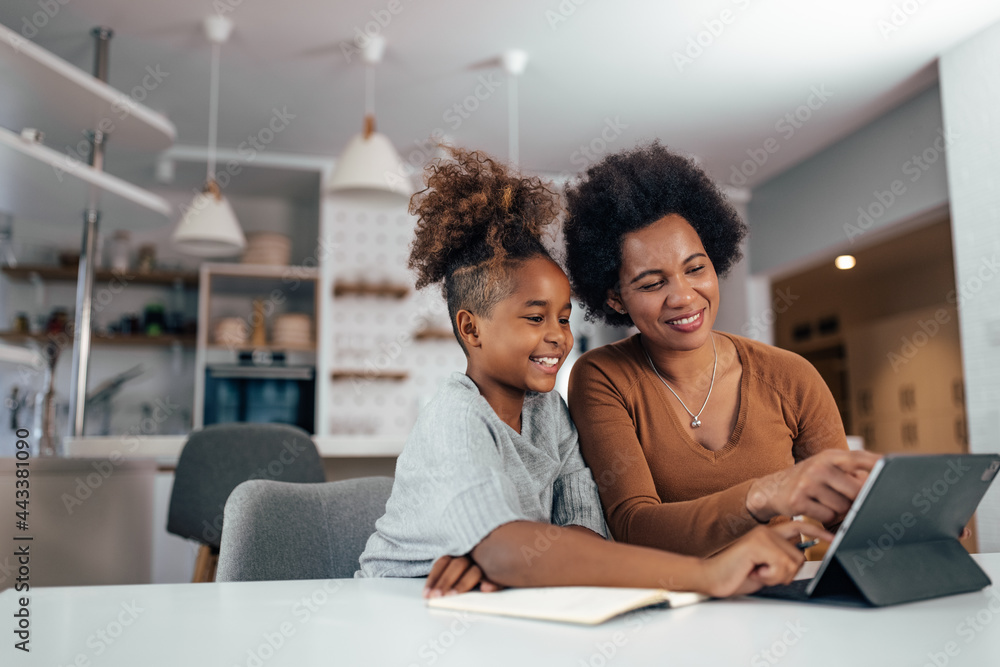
[668, 284]
[524, 342]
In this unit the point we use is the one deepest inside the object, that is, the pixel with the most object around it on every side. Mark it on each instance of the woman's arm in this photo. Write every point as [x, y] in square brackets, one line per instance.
[826, 477]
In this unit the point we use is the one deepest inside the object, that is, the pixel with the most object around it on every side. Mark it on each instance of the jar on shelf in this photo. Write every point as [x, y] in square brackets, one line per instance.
[154, 320]
[119, 259]
[147, 258]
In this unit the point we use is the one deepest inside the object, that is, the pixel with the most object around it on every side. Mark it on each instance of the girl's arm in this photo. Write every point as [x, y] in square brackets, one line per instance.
[525, 553]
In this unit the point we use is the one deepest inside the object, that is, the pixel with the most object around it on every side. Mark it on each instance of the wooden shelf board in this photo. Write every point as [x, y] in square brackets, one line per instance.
[260, 271]
[47, 272]
[271, 347]
[43, 91]
[42, 185]
[137, 340]
[341, 289]
[434, 334]
[395, 376]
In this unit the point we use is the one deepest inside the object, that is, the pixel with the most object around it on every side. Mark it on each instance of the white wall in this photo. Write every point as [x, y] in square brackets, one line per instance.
[970, 90]
[745, 300]
[812, 209]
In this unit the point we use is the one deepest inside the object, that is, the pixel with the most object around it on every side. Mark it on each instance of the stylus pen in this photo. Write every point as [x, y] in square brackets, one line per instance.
[802, 546]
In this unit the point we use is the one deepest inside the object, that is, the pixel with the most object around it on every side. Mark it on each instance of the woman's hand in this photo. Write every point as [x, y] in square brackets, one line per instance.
[822, 487]
[456, 574]
[765, 556]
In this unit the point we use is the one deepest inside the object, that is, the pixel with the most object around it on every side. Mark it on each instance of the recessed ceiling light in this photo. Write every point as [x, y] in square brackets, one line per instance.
[845, 262]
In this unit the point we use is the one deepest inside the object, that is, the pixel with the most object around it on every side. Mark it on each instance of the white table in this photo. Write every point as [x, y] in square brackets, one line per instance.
[385, 622]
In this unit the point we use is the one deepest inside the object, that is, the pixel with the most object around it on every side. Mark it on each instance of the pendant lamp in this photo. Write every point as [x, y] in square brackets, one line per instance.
[370, 172]
[209, 227]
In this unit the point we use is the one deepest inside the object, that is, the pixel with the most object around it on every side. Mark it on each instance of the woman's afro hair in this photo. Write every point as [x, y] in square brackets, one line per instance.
[628, 191]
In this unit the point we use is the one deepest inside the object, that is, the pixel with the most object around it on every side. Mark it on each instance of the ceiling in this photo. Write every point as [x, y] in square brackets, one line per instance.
[593, 66]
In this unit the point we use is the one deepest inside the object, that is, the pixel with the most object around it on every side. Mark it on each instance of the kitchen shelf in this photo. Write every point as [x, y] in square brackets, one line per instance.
[394, 376]
[247, 347]
[434, 334]
[43, 91]
[43, 185]
[387, 290]
[136, 340]
[70, 273]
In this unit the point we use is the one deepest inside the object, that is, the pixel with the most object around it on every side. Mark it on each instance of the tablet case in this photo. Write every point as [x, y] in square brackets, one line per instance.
[900, 541]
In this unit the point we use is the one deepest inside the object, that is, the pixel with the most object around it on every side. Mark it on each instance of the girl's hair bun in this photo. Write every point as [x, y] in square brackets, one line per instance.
[476, 210]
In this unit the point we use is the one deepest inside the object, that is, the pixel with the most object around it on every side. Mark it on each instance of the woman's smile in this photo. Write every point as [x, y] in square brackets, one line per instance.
[687, 323]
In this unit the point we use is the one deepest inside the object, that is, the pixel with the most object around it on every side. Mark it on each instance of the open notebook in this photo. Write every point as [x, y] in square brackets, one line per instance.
[588, 605]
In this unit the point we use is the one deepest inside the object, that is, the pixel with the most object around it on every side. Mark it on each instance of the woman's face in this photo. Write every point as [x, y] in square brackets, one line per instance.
[668, 284]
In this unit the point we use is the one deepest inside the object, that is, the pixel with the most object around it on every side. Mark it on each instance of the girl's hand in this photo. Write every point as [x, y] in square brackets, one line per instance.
[456, 574]
[766, 556]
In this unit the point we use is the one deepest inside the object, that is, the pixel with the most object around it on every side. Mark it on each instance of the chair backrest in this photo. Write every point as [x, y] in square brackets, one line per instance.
[219, 457]
[277, 531]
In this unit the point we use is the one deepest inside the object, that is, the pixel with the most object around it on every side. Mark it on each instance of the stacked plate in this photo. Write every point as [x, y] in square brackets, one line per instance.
[292, 330]
[231, 331]
[267, 248]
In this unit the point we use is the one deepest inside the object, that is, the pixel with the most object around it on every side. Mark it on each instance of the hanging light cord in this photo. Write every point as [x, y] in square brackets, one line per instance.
[512, 120]
[213, 113]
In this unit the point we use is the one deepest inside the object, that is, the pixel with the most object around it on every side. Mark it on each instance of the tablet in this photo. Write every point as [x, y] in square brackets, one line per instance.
[899, 541]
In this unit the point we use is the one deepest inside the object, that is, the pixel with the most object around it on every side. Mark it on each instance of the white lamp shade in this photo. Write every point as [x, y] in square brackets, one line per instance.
[370, 172]
[209, 228]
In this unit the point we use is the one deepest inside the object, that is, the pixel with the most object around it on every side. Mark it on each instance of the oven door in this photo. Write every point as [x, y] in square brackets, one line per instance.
[261, 394]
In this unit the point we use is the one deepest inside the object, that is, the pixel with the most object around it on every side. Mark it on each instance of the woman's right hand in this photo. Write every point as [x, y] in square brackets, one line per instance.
[765, 556]
[822, 487]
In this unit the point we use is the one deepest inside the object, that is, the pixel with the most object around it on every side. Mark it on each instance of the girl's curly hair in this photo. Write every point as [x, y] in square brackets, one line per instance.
[477, 219]
[628, 191]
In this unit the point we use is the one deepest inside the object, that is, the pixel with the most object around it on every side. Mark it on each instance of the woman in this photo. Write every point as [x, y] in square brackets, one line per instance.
[694, 436]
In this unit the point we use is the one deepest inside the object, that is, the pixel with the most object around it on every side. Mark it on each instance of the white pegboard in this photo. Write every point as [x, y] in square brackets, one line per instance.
[376, 334]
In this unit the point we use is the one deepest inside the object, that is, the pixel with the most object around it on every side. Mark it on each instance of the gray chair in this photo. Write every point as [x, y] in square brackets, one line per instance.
[217, 459]
[278, 531]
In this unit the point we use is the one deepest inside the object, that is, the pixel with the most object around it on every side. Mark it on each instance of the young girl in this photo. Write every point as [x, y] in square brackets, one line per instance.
[491, 488]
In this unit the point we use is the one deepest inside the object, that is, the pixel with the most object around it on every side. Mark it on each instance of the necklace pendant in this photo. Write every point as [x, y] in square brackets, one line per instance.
[695, 423]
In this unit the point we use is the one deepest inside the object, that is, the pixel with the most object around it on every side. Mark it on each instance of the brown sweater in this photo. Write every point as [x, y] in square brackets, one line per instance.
[659, 487]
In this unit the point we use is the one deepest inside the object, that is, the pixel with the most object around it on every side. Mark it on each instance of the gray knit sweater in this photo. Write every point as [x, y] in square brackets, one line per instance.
[464, 472]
